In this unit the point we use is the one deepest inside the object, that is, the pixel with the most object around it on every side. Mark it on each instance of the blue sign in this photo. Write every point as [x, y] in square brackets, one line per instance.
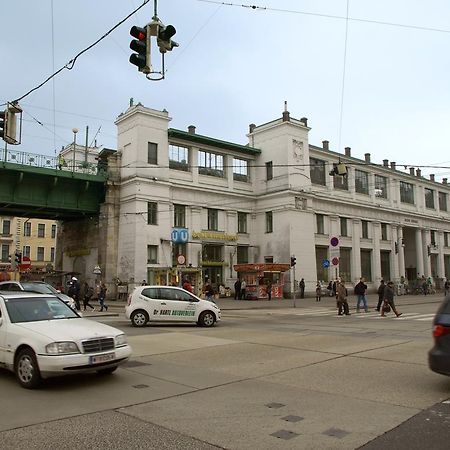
[325, 263]
[180, 235]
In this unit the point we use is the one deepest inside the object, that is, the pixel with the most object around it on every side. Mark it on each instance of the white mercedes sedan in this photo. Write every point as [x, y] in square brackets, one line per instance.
[41, 337]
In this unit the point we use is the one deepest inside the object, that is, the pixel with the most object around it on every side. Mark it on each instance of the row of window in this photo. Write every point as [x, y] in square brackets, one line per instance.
[320, 229]
[6, 251]
[27, 229]
[179, 218]
[318, 176]
[209, 163]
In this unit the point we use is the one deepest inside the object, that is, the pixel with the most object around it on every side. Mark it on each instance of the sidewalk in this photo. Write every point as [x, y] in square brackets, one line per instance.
[229, 304]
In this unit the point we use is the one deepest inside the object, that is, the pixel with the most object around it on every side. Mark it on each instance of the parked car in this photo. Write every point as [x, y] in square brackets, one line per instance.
[41, 337]
[169, 304]
[40, 287]
[439, 355]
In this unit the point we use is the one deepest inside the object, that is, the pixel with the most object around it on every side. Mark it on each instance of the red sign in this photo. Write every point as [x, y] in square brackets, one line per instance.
[26, 263]
[335, 261]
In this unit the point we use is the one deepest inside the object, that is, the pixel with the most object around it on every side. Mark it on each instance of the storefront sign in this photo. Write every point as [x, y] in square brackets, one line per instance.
[214, 235]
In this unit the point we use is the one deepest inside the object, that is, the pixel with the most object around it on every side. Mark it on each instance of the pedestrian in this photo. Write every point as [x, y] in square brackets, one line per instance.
[341, 292]
[360, 292]
[334, 288]
[243, 288]
[102, 297]
[88, 292]
[237, 289]
[302, 288]
[74, 292]
[61, 162]
[380, 293]
[208, 291]
[330, 289]
[389, 299]
[187, 286]
[144, 283]
[424, 285]
[269, 290]
[446, 287]
[318, 292]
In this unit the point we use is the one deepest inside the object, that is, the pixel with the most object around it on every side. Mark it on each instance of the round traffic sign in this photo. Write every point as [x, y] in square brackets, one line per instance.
[325, 263]
[335, 261]
[181, 259]
[334, 241]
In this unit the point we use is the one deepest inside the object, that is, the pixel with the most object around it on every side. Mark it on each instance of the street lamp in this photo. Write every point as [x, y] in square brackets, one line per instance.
[74, 131]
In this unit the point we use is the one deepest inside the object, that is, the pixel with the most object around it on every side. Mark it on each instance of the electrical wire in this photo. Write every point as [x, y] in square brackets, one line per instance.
[71, 63]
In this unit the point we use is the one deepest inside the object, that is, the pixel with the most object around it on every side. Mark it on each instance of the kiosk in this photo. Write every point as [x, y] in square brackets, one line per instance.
[257, 276]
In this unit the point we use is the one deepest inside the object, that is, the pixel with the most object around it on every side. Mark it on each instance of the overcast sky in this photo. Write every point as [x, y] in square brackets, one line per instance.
[237, 65]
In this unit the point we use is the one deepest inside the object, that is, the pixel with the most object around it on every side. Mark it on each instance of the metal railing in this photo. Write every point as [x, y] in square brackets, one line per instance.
[52, 162]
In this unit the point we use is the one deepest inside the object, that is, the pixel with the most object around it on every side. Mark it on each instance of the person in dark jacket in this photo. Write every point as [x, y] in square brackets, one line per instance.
[380, 292]
[74, 292]
[389, 299]
[302, 288]
[360, 292]
[237, 289]
[88, 292]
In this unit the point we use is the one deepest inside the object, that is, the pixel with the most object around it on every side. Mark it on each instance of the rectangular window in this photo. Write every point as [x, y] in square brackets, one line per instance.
[380, 186]
[152, 254]
[406, 192]
[240, 170]
[242, 254]
[52, 254]
[27, 229]
[152, 213]
[344, 231]
[269, 222]
[210, 164]
[26, 251]
[385, 260]
[269, 170]
[361, 182]
[433, 238]
[384, 232]
[345, 264]
[53, 231]
[6, 228]
[445, 239]
[366, 264]
[442, 201]
[242, 222]
[152, 153]
[317, 171]
[41, 230]
[40, 254]
[364, 229]
[340, 182]
[429, 198]
[212, 253]
[213, 219]
[179, 216]
[5, 253]
[320, 224]
[178, 157]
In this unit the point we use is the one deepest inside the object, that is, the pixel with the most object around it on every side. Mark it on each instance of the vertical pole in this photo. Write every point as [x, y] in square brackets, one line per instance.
[86, 145]
[293, 272]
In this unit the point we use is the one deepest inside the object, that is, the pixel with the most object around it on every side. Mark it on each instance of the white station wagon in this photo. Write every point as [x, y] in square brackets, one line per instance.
[169, 304]
[40, 337]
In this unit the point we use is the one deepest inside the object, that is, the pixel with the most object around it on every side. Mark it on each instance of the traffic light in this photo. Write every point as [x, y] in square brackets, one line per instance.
[18, 258]
[164, 41]
[293, 261]
[141, 45]
[8, 123]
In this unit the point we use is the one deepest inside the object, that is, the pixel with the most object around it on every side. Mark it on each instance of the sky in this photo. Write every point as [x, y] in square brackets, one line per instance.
[373, 76]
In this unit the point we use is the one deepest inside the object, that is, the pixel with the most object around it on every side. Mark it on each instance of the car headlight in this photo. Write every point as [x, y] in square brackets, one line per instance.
[120, 340]
[62, 348]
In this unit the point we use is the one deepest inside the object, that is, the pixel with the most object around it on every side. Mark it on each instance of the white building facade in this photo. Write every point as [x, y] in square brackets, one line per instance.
[192, 204]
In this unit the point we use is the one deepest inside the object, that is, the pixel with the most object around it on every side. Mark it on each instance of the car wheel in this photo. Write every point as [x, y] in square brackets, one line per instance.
[26, 369]
[206, 319]
[139, 318]
[107, 371]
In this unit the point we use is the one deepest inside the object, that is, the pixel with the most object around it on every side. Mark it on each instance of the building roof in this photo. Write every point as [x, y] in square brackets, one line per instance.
[205, 140]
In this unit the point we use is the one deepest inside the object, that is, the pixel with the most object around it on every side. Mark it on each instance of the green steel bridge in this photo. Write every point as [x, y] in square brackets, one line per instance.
[36, 186]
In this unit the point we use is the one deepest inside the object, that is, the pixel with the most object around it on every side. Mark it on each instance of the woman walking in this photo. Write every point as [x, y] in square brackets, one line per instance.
[102, 296]
[88, 292]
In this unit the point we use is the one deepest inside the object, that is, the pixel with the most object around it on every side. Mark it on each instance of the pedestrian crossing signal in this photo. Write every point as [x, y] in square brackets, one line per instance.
[293, 261]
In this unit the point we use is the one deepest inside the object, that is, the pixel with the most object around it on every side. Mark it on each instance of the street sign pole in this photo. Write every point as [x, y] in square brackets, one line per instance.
[293, 271]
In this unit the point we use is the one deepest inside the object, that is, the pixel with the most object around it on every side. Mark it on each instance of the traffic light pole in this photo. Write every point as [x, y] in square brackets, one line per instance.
[293, 272]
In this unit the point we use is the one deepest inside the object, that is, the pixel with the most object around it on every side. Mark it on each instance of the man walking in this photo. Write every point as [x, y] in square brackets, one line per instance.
[341, 293]
[380, 292]
[243, 288]
[389, 299]
[74, 292]
[237, 289]
[360, 292]
[302, 288]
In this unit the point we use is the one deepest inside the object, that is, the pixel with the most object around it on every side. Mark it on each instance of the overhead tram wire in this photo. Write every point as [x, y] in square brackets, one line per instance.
[71, 63]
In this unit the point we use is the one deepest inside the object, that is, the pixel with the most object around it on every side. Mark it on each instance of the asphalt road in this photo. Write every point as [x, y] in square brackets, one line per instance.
[267, 377]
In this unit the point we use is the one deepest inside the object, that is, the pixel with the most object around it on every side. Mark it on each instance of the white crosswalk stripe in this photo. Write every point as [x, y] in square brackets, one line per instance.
[371, 315]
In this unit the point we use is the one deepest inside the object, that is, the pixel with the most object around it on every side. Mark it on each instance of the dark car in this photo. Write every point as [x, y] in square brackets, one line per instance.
[439, 355]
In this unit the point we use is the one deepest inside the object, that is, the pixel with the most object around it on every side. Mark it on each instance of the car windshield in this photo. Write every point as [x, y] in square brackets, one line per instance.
[26, 309]
[40, 288]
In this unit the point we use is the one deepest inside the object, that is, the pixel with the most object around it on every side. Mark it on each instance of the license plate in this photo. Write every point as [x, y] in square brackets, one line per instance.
[101, 358]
